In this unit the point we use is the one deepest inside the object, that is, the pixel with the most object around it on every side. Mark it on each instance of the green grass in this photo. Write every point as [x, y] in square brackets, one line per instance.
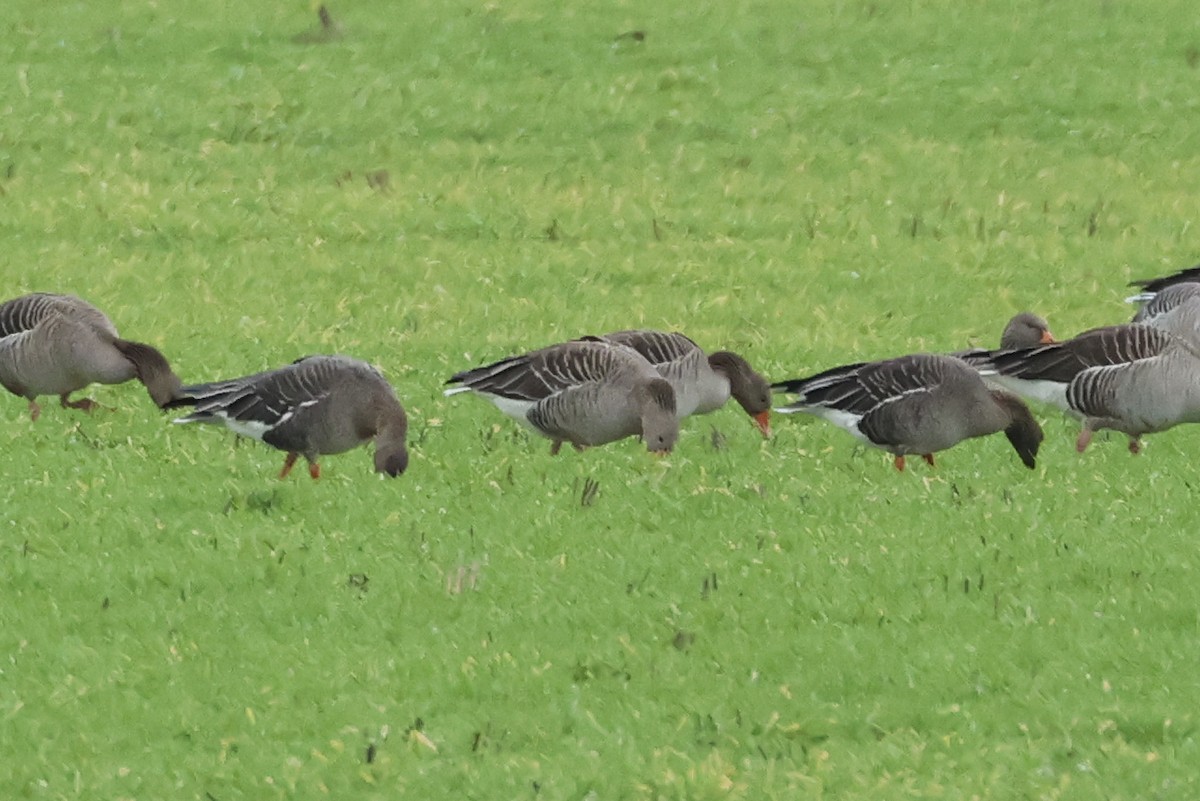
[805, 183]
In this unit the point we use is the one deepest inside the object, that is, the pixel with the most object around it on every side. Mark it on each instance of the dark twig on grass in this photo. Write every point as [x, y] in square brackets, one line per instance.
[591, 488]
[328, 32]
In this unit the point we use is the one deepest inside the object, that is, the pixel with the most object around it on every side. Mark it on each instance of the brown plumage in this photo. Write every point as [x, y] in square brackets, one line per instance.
[702, 382]
[1137, 379]
[915, 405]
[58, 344]
[582, 392]
[315, 406]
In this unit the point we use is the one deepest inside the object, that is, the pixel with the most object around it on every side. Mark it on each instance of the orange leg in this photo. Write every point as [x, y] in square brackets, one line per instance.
[899, 462]
[314, 470]
[288, 463]
[928, 457]
[1085, 438]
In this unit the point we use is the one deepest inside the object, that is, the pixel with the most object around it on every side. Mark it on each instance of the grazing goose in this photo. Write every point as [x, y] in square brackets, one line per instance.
[315, 406]
[1137, 379]
[58, 344]
[702, 383]
[582, 392]
[917, 404]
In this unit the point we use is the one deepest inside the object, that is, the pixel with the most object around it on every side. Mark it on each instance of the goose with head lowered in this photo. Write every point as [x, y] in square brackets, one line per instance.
[1132, 378]
[54, 344]
[915, 405]
[582, 392]
[316, 406]
[702, 382]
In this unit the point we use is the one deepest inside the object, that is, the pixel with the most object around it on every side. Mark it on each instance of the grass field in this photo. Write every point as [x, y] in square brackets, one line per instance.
[450, 183]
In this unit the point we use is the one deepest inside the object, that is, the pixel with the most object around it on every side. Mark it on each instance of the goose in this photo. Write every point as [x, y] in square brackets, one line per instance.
[702, 382]
[1136, 379]
[916, 404]
[581, 392]
[58, 344]
[1024, 330]
[315, 406]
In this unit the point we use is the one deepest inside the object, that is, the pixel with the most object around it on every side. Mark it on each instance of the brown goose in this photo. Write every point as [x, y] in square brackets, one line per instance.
[1137, 379]
[315, 406]
[917, 404]
[582, 392]
[702, 383]
[58, 344]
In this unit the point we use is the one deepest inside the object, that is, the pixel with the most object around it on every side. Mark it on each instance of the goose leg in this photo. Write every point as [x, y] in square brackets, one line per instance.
[1085, 438]
[87, 404]
[1135, 446]
[928, 457]
[555, 447]
[35, 411]
[314, 470]
[288, 462]
[899, 462]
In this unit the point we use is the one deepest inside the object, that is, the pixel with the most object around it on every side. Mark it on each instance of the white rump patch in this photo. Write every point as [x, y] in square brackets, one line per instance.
[1053, 393]
[847, 421]
[516, 409]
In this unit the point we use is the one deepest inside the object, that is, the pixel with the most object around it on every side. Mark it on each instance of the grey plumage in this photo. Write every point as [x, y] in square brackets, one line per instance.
[1137, 379]
[1151, 286]
[915, 405]
[315, 406]
[1026, 330]
[702, 382]
[582, 392]
[1165, 309]
[57, 344]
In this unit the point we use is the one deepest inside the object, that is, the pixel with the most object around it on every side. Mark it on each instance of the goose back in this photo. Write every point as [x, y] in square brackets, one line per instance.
[586, 392]
[916, 404]
[318, 405]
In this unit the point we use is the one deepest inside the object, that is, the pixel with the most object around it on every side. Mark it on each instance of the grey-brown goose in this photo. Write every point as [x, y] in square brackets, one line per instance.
[315, 406]
[1024, 330]
[582, 392]
[1137, 379]
[702, 382]
[915, 405]
[58, 344]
